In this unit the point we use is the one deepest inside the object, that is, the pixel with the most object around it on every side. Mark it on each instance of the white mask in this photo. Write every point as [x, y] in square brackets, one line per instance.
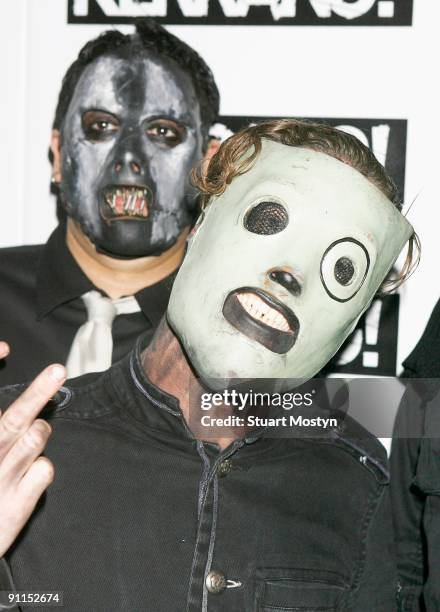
[300, 231]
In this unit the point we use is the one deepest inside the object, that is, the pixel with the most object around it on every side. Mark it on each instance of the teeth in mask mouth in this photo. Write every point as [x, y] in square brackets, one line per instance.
[128, 201]
[258, 309]
[261, 317]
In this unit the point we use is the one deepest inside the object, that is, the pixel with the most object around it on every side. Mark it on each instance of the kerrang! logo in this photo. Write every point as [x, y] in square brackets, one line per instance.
[245, 12]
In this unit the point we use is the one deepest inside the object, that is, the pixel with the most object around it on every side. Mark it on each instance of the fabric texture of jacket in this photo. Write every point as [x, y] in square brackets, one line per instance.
[415, 476]
[144, 517]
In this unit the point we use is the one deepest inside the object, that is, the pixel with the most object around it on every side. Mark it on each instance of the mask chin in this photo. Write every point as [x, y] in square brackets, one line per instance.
[130, 239]
[153, 251]
[134, 249]
[103, 251]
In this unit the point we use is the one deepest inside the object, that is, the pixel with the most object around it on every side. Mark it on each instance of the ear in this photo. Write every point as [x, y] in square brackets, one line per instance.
[55, 147]
[213, 147]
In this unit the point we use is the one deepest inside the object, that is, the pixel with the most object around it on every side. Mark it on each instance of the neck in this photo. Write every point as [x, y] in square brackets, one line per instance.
[166, 365]
[120, 277]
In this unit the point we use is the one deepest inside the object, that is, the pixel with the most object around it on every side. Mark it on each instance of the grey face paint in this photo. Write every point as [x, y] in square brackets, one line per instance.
[281, 268]
[129, 139]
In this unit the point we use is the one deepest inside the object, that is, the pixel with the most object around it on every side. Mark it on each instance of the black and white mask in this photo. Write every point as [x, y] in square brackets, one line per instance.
[129, 139]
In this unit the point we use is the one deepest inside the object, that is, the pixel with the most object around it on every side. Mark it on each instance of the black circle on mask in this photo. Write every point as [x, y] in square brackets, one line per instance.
[266, 218]
[344, 270]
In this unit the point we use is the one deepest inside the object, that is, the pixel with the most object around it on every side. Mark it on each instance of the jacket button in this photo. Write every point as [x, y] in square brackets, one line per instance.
[224, 468]
[215, 582]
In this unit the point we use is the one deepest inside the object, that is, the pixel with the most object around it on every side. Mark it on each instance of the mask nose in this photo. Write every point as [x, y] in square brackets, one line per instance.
[286, 280]
[127, 163]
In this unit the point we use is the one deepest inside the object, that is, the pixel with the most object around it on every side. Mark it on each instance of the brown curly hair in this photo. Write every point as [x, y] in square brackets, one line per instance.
[238, 153]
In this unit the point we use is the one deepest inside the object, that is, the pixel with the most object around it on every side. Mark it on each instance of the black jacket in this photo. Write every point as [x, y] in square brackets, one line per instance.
[415, 475]
[143, 517]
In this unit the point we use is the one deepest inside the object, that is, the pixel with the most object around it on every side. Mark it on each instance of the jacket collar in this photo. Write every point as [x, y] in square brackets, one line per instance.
[169, 413]
[154, 408]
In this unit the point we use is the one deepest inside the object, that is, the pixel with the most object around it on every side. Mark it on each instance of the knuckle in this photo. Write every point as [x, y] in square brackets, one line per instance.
[33, 439]
[11, 423]
[43, 426]
[36, 436]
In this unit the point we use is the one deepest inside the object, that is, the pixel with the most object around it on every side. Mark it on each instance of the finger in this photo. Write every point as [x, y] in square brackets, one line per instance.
[4, 349]
[24, 452]
[36, 480]
[17, 419]
[31, 487]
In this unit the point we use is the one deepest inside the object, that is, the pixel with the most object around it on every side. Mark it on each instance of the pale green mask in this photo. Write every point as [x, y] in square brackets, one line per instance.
[282, 267]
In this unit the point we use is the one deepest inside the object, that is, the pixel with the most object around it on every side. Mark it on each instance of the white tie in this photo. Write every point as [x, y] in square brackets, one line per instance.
[92, 347]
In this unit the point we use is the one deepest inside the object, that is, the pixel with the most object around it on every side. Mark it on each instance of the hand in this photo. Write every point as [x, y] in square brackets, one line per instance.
[24, 474]
[4, 349]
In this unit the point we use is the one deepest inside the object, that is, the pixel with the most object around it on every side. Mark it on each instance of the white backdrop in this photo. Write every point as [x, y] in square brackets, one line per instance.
[359, 72]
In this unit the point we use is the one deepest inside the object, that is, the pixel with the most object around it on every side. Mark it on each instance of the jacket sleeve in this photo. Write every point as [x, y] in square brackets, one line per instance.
[408, 502]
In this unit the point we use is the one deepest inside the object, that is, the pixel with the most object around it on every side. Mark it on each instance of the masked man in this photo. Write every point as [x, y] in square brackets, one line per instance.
[144, 514]
[133, 117]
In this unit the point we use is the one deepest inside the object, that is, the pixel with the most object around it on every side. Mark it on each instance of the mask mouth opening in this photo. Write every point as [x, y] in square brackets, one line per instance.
[120, 202]
[261, 317]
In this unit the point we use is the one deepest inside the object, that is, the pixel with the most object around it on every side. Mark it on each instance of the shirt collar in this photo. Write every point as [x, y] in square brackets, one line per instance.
[153, 300]
[60, 280]
[59, 277]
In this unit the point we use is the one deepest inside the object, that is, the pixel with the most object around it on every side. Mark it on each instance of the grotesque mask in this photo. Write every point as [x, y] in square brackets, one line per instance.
[283, 265]
[131, 134]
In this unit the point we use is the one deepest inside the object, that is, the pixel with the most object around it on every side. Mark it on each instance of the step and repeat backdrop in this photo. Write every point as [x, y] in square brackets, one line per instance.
[366, 66]
[244, 12]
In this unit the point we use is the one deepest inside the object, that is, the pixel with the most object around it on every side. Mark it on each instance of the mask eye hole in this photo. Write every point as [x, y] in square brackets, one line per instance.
[99, 125]
[344, 271]
[344, 267]
[266, 218]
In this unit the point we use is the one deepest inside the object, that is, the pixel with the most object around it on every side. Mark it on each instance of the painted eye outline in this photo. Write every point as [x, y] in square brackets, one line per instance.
[154, 127]
[92, 121]
[266, 200]
[358, 282]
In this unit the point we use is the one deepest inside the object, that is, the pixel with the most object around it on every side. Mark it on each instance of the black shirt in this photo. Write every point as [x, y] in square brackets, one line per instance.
[41, 308]
[142, 517]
